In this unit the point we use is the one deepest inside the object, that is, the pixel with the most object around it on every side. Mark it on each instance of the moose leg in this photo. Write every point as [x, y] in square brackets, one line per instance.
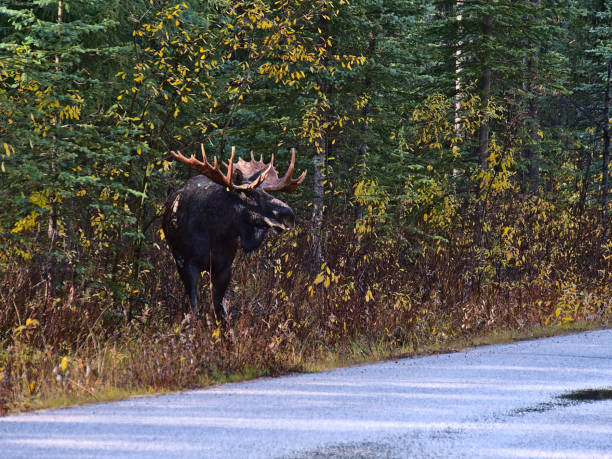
[220, 280]
[189, 275]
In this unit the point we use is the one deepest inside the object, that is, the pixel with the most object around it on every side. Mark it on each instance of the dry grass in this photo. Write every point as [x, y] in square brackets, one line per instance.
[378, 296]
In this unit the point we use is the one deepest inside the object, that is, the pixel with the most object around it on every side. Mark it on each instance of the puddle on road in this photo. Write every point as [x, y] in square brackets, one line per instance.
[565, 400]
[588, 395]
[358, 450]
[541, 408]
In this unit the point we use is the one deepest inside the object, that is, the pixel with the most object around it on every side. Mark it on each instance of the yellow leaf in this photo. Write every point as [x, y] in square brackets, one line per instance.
[320, 278]
[64, 363]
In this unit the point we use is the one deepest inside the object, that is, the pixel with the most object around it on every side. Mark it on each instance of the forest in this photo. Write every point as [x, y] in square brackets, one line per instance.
[458, 166]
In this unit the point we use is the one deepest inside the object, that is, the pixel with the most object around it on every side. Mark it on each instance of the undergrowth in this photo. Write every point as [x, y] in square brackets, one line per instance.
[382, 291]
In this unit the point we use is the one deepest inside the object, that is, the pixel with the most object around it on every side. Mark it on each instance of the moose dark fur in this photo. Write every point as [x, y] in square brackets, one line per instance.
[212, 214]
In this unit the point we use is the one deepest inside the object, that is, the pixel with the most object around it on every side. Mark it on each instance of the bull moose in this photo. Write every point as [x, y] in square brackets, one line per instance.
[204, 221]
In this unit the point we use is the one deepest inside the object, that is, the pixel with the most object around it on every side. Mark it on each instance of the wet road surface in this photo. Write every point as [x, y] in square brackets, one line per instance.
[545, 398]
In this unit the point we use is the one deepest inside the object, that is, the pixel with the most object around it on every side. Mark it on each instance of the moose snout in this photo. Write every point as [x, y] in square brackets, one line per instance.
[288, 219]
[282, 219]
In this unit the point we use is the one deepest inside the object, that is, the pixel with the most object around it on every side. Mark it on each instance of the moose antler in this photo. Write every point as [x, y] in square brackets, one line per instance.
[287, 183]
[271, 182]
[214, 173]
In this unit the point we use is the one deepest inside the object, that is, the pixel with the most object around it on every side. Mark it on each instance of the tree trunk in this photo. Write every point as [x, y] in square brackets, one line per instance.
[361, 170]
[531, 178]
[363, 146]
[318, 200]
[319, 158]
[60, 14]
[458, 70]
[606, 158]
[52, 228]
[485, 91]
[586, 178]
[483, 131]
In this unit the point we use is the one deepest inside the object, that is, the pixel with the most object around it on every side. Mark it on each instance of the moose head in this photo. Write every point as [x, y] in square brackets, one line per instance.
[207, 219]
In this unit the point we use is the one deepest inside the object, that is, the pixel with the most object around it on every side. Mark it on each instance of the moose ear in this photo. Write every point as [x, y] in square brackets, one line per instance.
[237, 177]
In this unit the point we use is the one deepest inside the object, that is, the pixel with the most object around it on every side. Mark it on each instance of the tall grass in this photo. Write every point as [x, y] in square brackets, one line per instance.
[380, 288]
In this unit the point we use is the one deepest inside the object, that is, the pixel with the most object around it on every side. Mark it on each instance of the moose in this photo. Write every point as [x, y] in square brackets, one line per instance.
[206, 219]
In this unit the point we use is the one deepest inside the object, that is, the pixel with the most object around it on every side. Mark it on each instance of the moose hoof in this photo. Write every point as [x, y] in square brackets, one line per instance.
[187, 321]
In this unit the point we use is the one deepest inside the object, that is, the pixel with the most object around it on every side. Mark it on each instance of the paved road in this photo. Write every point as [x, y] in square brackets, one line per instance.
[495, 401]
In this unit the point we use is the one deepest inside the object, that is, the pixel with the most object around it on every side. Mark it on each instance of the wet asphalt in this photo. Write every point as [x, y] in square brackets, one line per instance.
[545, 398]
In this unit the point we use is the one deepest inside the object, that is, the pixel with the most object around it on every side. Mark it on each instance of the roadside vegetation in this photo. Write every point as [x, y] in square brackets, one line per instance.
[457, 189]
